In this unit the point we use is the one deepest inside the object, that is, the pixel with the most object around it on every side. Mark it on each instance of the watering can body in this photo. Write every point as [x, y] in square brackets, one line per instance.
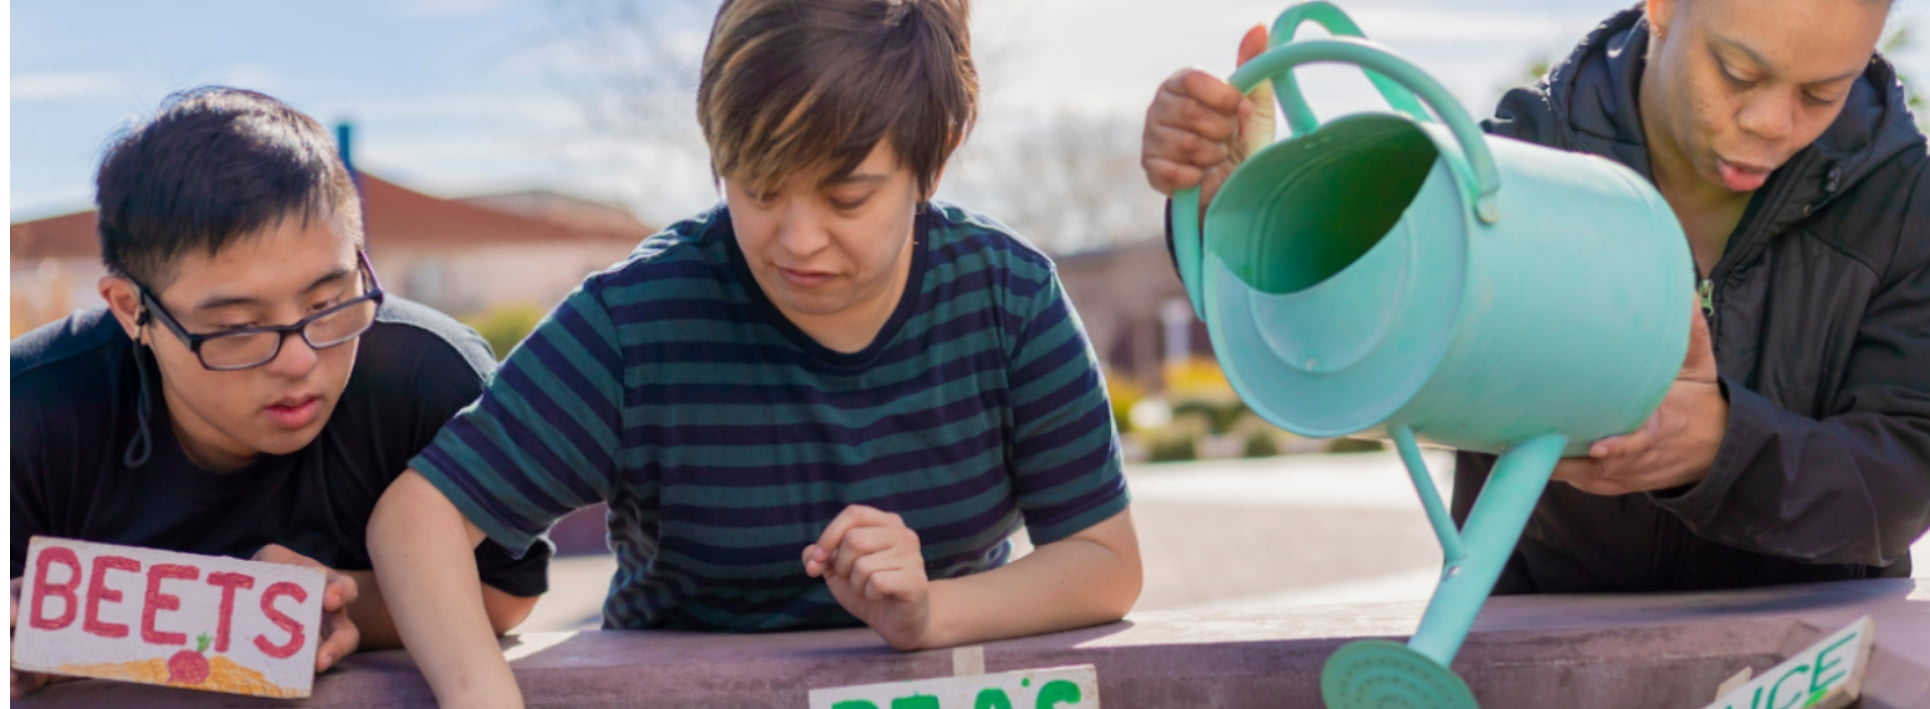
[1568, 314]
[1384, 271]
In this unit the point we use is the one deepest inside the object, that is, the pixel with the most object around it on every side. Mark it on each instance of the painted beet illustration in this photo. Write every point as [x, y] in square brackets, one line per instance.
[190, 666]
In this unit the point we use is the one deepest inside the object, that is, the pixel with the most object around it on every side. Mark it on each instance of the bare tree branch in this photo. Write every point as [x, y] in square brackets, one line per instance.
[1067, 181]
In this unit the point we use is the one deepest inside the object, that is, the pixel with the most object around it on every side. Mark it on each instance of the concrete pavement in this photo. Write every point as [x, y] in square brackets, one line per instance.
[1220, 535]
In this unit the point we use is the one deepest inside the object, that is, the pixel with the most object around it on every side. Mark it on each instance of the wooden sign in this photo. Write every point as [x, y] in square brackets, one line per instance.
[159, 617]
[1826, 675]
[1074, 687]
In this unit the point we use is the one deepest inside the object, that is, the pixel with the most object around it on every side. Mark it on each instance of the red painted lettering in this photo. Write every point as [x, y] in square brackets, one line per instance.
[228, 581]
[158, 601]
[44, 587]
[294, 629]
[98, 591]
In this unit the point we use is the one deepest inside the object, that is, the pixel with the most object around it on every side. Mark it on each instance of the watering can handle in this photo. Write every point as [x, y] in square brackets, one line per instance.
[1475, 162]
[1300, 118]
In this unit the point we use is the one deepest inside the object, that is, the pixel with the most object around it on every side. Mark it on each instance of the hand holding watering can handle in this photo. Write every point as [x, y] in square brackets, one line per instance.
[1481, 178]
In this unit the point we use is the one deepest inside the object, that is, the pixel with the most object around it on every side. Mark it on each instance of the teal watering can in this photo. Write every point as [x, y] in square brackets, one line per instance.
[1389, 276]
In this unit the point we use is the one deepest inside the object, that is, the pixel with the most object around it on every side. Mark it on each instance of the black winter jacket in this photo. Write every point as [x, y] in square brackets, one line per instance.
[1821, 330]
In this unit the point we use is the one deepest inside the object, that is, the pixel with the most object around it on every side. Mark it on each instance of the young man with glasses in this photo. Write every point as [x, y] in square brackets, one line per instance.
[248, 390]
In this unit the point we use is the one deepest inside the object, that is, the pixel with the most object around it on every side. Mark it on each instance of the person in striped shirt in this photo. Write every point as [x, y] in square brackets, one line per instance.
[827, 401]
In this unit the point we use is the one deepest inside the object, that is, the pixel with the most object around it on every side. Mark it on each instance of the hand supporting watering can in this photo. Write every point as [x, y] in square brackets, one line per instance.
[1199, 128]
[1677, 444]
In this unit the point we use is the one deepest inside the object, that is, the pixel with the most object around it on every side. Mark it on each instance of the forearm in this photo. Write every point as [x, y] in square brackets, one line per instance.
[1853, 488]
[1087, 579]
[424, 547]
[371, 613]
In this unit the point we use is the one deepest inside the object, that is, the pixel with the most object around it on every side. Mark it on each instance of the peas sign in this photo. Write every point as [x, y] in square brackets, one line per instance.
[1075, 687]
[161, 617]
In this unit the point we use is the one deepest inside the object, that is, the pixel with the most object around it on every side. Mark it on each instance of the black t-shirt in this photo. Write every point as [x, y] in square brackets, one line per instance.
[74, 393]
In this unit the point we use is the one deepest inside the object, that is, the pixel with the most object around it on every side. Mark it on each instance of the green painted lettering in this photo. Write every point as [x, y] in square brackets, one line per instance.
[1056, 692]
[1816, 679]
[992, 698]
[855, 704]
[1778, 687]
[916, 701]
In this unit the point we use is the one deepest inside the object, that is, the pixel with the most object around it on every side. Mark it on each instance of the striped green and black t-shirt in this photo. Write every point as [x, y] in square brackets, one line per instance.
[725, 439]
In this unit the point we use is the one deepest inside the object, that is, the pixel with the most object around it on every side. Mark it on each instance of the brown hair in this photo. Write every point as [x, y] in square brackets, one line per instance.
[788, 85]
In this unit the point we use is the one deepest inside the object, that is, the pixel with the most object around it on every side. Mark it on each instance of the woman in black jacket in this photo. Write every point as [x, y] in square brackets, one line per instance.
[1795, 445]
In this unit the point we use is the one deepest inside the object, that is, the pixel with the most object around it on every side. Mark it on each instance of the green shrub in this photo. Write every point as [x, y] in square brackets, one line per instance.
[1354, 445]
[1220, 415]
[1178, 440]
[1259, 444]
[1169, 448]
[503, 327]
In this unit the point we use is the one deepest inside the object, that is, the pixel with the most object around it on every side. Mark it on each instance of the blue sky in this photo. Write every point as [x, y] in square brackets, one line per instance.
[435, 83]
[468, 96]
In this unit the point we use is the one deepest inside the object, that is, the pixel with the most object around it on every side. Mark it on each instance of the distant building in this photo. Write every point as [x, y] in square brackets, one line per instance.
[467, 256]
[1134, 308]
[462, 256]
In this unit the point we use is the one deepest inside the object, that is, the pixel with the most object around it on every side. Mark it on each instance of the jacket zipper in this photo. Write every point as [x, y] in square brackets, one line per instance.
[1668, 551]
[1747, 239]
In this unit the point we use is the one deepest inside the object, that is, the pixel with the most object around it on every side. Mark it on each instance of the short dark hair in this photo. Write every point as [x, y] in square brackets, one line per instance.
[790, 84]
[215, 164]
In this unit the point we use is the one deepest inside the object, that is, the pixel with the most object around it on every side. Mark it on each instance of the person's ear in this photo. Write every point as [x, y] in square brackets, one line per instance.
[124, 301]
[1661, 16]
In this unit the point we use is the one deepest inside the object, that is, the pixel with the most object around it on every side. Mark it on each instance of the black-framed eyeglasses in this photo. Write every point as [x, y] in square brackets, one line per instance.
[249, 347]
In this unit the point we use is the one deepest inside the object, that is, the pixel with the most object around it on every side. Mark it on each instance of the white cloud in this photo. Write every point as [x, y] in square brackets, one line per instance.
[52, 85]
[1460, 26]
[1070, 56]
[1914, 61]
[448, 8]
[538, 107]
[249, 76]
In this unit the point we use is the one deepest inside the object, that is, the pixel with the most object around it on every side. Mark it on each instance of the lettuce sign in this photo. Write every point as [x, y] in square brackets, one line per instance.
[1826, 675]
[1075, 687]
